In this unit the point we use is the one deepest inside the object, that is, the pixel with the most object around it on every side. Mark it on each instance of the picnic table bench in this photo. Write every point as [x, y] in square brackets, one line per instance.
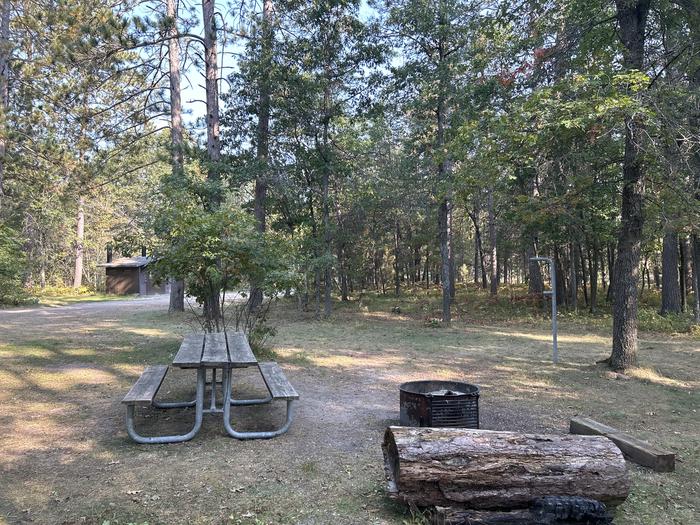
[224, 351]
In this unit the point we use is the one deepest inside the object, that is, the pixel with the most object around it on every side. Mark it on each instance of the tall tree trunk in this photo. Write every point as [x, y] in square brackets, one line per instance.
[5, 54]
[611, 269]
[535, 282]
[573, 278]
[593, 269]
[632, 19]
[426, 269]
[696, 278]
[479, 249]
[582, 261]
[453, 273]
[477, 260]
[657, 277]
[212, 306]
[79, 244]
[177, 286]
[691, 9]
[344, 281]
[561, 282]
[684, 270]
[212, 98]
[670, 289]
[493, 244]
[444, 204]
[443, 237]
[325, 207]
[263, 134]
[397, 258]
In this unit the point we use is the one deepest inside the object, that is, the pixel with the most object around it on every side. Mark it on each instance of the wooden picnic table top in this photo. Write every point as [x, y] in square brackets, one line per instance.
[216, 350]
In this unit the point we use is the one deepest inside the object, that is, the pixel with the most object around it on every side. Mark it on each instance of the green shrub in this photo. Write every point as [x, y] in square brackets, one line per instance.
[12, 265]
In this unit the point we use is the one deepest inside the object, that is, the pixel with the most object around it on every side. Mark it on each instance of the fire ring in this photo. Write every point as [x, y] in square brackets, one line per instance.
[439, 404]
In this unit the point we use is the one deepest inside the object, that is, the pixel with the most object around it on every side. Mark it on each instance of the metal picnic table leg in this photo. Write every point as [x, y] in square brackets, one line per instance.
[250, 435]
[212, 405]
[199, 406]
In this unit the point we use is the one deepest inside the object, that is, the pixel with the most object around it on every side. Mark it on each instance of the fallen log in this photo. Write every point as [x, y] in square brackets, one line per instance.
[488, 470]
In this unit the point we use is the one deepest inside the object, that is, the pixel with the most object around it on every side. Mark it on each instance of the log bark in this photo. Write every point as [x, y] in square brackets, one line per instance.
[552, 510]
[488, 470]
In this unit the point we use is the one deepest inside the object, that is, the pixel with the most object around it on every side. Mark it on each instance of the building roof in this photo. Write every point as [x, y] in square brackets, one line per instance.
[128, 262]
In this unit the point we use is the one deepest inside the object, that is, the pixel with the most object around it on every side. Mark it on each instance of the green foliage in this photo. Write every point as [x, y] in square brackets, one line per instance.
[219, 251]
[12, 267]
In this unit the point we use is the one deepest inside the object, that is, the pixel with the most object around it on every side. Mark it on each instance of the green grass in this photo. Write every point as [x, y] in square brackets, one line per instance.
[513, 305]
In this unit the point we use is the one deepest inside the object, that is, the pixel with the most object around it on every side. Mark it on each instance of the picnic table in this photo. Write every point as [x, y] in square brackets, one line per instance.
[222, 352]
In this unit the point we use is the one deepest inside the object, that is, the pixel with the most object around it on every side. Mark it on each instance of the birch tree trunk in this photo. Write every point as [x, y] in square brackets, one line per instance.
[632, 19]
[177, 286]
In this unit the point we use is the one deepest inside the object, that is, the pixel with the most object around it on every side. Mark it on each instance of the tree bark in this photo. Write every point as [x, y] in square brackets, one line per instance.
[482, 469]
[535, 284]
[444, 240]
[593, 269]
[177, 286]
[325, 202]
[670, 289]
[79, 244]
[632, 18]
[692, 13]
[211, 85]
[696, 278]
[5, 54]
[263, 135]
[397, 254]
[684, 270]
[573, 278]
[212, 306]
[453, 273]
[493, 245]
[443, 168]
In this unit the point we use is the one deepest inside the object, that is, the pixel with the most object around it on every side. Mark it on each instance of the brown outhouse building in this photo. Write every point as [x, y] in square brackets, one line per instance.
[129, 275]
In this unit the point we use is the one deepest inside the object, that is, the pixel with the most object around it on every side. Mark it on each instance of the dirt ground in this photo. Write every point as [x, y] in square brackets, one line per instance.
[65, 456]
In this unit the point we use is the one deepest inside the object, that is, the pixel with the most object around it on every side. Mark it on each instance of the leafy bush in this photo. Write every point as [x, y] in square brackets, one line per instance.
[215, 252]
[12, 265]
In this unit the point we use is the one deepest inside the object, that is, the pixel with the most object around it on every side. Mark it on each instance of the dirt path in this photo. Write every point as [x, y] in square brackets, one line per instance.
[65, 456]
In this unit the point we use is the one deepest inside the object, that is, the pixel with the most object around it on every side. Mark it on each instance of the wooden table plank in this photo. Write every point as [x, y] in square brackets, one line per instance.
[146, 387]
[190, 353]
[277, 382]
[239, 350]
[215, 353]
[634, 449]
